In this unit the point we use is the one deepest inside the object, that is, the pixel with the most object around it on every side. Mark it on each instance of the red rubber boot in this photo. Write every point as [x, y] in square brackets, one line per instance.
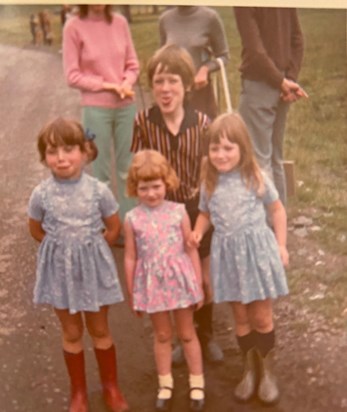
[114, 399]
[76, 370]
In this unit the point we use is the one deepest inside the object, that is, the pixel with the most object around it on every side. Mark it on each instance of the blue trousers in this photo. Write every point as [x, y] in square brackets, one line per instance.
[112, 127]
[264, 113]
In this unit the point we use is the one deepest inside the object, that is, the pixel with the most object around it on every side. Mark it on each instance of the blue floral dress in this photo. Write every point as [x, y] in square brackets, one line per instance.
[76, 268]
[164, 275]
[245, 260]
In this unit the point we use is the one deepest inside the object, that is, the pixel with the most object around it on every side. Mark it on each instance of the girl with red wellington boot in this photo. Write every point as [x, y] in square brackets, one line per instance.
[75, 218]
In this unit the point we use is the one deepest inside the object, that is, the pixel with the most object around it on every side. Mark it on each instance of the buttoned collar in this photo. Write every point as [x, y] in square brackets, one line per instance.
[190, 118]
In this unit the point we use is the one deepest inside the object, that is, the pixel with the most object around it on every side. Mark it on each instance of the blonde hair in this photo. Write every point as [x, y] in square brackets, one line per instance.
[150, 165]
[172, 59]
[62, 131]
[231, 126]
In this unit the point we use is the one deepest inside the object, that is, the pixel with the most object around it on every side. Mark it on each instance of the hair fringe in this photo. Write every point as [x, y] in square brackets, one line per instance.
[232, 126]
[150, 165]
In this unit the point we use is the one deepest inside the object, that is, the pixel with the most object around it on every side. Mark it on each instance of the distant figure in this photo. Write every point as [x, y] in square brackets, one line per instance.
[35, 30]
[46, 27]
[75, 218]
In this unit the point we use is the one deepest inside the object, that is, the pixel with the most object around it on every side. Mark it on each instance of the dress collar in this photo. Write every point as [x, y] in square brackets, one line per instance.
[190, 118]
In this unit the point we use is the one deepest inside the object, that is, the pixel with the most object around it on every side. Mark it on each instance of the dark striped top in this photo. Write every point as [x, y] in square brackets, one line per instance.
[184, 150]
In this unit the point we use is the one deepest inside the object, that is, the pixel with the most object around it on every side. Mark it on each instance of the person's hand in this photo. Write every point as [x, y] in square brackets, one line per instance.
[131, 306]
[194, 239]
[125, 90]
[284, 255]
[201, 78]
[292, 91]
[199, 305]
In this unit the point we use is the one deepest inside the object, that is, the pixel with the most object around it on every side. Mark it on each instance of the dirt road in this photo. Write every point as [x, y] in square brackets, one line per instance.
[312, 371]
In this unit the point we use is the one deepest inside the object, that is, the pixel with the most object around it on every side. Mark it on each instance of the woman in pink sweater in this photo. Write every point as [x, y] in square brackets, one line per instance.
[100, 60]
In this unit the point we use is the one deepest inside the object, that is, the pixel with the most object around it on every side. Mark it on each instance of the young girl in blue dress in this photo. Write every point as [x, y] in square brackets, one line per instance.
[247, 257]
[163, 275]
[75, 219]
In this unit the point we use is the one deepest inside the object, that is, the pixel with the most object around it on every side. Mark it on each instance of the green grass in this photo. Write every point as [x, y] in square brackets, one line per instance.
[316, 133]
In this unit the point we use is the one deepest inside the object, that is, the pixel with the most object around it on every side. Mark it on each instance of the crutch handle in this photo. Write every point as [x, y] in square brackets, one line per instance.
[225, 84]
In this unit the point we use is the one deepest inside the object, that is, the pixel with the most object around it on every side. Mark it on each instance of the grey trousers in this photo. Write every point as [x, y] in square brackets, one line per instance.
[112, 127]
[264, 113]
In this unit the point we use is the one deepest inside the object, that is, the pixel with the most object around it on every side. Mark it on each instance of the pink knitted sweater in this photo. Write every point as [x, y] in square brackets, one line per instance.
[94, 52]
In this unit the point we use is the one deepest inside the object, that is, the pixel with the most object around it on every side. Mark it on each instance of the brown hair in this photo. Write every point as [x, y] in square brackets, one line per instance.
[150, 165]
[83, 12]
[62, 131]
[231, 126]
[172, 59]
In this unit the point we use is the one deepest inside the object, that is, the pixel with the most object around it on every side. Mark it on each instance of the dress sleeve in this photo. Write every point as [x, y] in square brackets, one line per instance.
[35, 207]
[107, 202]
[270, 193]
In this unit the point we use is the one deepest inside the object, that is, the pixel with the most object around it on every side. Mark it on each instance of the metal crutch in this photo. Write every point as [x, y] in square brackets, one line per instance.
[225, 84]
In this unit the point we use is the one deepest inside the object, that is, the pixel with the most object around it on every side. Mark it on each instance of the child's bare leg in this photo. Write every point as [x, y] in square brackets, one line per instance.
[72, 330]
[98, 329]
[161, 322]
[192, 351]
[260, 315]
[190, 342]
[162, 341]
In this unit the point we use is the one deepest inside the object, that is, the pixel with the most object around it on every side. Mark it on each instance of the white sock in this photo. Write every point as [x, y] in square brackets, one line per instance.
[165, 381]
[197, 381]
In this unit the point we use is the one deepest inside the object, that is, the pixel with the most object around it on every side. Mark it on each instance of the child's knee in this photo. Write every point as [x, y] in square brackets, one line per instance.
[163, 337]
[98, 332]
[186, 337]
[73, 334]
[262, 322]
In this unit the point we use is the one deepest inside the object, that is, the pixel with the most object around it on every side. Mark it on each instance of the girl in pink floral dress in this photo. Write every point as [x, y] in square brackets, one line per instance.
[162, 274]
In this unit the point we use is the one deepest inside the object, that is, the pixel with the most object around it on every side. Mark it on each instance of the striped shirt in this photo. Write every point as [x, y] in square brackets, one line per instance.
[184, 151]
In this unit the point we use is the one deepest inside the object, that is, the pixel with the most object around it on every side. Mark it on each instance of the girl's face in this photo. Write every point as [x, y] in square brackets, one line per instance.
[151, 193]
[225, 155]
[65, 162]
[168, 92]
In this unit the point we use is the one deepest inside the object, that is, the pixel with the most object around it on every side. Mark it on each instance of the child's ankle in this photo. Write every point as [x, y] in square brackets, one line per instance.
[165, 382]
[197, 386]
